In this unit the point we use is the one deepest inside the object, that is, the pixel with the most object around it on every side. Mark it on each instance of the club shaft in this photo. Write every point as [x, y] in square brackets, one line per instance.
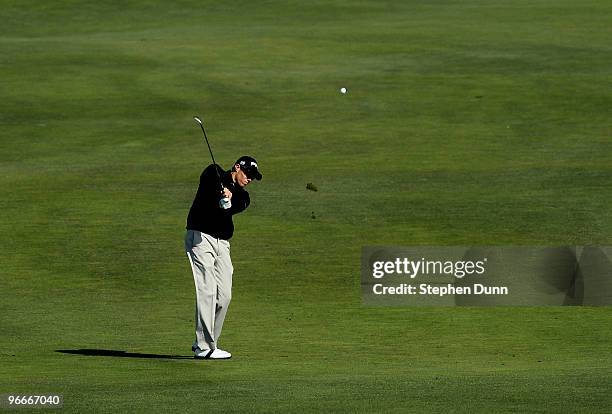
[208, 144]
[211, 153]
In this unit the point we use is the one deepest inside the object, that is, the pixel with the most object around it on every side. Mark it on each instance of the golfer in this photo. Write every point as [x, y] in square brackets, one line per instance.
[221, 194]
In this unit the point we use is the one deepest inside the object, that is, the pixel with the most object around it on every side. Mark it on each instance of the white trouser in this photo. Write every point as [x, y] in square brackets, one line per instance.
[212, 273]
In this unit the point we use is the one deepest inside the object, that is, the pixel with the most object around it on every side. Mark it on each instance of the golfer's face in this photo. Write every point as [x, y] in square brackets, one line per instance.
[241, 178]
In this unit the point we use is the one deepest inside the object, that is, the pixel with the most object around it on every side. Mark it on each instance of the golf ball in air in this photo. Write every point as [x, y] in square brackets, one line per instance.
[343, 90]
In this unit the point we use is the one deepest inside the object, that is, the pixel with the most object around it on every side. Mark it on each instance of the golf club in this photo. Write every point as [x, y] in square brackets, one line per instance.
[225, 202]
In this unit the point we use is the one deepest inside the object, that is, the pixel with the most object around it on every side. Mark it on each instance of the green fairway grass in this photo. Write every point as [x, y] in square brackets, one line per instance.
[465, 123]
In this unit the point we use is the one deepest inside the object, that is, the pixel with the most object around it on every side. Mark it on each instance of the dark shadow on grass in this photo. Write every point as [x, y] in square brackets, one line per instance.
[119, 354]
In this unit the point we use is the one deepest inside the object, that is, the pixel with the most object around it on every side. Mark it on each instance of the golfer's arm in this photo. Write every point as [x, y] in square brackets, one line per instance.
[209, 183]
[239, 206]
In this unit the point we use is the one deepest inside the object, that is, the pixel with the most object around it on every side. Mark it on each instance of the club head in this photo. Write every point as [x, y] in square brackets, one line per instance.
[198, 120]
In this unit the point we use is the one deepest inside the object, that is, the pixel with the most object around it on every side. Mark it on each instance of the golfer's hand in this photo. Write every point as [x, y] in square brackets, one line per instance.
[227, 193]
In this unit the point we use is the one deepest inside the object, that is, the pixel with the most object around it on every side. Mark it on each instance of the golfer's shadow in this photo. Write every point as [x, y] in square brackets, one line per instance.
[118, 354]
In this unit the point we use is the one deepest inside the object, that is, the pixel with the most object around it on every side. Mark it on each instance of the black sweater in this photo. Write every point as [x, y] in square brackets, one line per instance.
[205, 214]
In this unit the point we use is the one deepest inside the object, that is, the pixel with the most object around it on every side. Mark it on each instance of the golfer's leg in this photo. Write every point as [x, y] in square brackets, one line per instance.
[224, 271]
[202, 258]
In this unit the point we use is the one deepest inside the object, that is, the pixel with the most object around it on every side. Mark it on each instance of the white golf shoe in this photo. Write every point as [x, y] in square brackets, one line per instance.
[211, 354]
